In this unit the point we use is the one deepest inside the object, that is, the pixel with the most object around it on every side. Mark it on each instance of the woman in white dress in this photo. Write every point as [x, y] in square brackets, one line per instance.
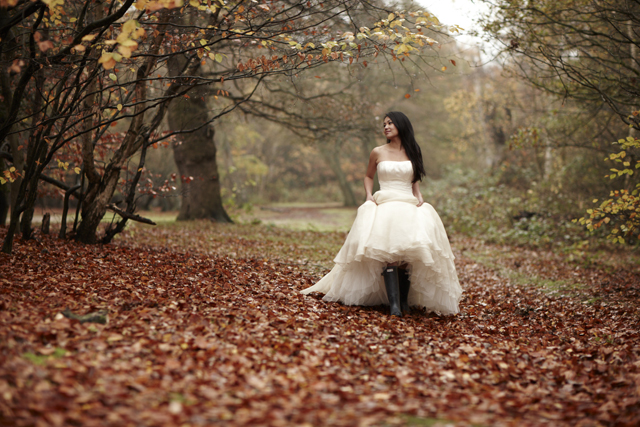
[397, 251]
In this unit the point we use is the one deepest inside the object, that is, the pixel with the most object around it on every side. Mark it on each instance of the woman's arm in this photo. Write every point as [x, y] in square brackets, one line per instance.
[416, 192]
[371, 173]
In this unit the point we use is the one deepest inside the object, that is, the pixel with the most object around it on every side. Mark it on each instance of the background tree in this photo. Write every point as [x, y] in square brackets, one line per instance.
[585, 54]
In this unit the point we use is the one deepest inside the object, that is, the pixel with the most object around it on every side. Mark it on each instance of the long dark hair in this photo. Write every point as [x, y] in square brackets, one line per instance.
[411, 147]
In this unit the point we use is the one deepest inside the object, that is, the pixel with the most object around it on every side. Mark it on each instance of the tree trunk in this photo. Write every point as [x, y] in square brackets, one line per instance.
[4, 198]
[4, 207]
[331, 154]
[633, 53]
[40, 146]
[18, 155]
[18, 162]
[94, 205]
[195, 156]
[24, 196]
[9, 191]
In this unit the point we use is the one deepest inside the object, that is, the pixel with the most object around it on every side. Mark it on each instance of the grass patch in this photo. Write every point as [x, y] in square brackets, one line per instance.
[591, 301]
[419, 421]
[608, 257]
[40, 359]
[489, 256]
[179, 397]
[548, 284]
[302, 216]
[158, 217]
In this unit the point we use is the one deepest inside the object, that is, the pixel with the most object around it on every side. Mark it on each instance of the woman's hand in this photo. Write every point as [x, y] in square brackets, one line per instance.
[420, 202]
[370, 199]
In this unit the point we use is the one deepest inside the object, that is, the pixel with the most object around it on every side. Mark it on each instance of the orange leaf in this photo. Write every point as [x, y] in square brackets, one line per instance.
[45, 45]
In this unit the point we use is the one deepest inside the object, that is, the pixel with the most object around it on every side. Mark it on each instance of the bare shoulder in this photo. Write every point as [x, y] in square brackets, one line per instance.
[376, 153]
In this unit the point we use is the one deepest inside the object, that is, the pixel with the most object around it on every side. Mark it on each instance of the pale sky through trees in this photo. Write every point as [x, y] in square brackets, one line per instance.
[460, 12]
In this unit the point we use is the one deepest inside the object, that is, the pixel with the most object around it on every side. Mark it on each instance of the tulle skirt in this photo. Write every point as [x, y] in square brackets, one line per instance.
[391, 230]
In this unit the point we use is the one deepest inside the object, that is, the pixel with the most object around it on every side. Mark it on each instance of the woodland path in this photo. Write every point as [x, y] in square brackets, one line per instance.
[196, 337]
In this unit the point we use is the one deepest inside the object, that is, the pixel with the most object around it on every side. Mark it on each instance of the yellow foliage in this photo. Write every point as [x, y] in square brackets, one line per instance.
[53, 3]
[107, 60]
[126, 41]
[622, 209]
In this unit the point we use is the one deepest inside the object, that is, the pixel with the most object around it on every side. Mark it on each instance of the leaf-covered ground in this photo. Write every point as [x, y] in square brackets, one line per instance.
[197, 337]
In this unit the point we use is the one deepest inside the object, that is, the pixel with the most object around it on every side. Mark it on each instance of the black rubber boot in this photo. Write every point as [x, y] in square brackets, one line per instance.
[405, 283]
[390, 275]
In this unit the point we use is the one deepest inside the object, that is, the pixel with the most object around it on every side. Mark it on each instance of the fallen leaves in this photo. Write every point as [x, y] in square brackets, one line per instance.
[208, 339]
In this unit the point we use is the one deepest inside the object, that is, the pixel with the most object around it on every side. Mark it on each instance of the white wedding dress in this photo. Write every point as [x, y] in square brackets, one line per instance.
[394, 229]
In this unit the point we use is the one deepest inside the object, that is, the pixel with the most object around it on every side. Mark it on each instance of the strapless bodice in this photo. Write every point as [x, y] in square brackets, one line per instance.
[395, 176]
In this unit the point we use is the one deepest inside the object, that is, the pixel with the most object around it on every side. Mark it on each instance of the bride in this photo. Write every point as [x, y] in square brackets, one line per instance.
[397, 251]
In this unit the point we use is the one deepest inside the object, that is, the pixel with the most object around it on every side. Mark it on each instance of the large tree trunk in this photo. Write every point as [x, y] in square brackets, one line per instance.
[195, 156]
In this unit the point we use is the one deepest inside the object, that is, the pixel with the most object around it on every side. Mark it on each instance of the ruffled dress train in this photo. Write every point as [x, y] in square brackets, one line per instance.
[391, 230]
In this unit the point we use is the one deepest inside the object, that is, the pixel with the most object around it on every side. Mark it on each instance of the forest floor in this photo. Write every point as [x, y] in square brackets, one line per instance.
[205, 325]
